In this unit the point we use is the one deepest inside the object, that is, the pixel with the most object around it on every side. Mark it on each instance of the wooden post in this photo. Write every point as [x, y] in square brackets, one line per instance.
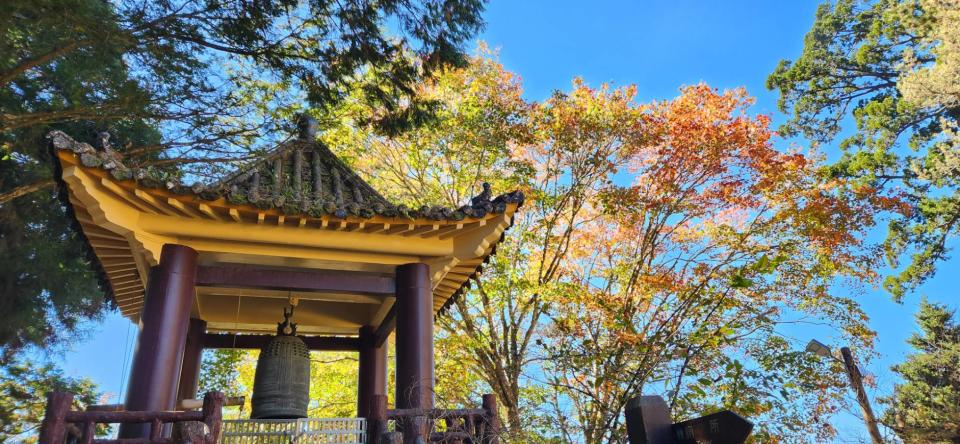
[377, 419]
[88, 433]
[648, 420]
[414, 348]
[372, 374]
[416, 429]
[213, 414]
[155, 373]
[393, 438]
[53, 429]
[414, 337]
[856, 382]
[491, 431]
[192, 355]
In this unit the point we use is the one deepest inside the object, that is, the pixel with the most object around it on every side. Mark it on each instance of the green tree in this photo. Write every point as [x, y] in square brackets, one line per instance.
[925, 407]
[220, 372]
[160, 77]
[23, 389]
[893, 66]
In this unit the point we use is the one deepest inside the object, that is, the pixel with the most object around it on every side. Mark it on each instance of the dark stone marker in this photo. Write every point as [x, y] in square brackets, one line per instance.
[648, 420]
[724, 427]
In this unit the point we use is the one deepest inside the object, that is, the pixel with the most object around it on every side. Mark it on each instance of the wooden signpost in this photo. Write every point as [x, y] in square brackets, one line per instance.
[648, 422]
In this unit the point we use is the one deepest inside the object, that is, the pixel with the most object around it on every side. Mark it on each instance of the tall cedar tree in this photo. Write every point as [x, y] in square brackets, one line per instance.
[925, 407]
[86, 66]
[894, 67]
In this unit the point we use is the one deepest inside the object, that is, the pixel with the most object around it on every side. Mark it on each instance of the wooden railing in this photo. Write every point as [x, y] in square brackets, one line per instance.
[61, 425]
[461, 426]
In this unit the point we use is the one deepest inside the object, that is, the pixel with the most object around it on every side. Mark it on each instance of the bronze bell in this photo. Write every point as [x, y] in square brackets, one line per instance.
[281, 385]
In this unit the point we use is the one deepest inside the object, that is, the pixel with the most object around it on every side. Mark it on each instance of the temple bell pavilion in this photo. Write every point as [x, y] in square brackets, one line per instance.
[296, 238]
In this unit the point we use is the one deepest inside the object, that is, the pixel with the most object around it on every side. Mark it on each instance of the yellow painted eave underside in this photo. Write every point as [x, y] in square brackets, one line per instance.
[127, 225]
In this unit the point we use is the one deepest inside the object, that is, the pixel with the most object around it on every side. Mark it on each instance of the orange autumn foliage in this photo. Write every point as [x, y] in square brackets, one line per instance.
[702, 241]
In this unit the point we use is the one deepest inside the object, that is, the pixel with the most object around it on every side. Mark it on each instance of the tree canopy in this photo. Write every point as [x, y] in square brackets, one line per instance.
[661, 247]
[893, 66]
[167, 79]
[23, 389]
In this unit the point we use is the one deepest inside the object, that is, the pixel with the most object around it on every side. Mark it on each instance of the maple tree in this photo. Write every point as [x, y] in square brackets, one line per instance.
[682, 275]
[660, 248]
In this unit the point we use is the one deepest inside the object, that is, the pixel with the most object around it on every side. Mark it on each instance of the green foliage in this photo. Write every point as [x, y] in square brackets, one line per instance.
[158, 75]
[925, 407]
[892, 66]
[23, 389]
[220, 371]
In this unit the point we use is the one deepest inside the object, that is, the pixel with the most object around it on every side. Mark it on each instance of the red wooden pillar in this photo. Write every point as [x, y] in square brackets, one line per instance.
[372, 372]
[414, 337]
[192, 354]
[54, 426]
[155, 373]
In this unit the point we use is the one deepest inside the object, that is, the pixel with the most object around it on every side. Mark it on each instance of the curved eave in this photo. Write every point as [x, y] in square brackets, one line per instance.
[125, 224]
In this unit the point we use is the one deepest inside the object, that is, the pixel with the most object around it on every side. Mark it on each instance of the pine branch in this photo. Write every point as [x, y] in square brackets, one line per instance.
[24, 190]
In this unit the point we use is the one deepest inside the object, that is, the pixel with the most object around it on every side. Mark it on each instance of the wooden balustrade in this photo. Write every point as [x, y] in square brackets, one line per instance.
[59, 423]
[480, 425]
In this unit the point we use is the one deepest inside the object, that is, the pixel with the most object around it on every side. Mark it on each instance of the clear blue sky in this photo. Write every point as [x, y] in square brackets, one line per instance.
[659, 46]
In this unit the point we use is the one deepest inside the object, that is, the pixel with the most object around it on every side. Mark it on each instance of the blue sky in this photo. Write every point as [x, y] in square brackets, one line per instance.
[659, 46]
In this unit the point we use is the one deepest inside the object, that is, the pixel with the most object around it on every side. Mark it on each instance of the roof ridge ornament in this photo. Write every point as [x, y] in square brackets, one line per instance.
[307, 127]
[484, 197]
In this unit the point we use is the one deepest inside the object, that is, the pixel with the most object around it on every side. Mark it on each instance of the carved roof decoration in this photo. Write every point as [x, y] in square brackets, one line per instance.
[301, 176]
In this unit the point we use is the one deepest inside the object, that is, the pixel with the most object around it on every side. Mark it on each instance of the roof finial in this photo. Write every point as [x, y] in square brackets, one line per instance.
[103, 141]
[307, 127]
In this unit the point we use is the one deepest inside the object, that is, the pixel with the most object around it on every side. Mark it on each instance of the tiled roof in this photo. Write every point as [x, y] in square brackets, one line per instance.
[301, 176]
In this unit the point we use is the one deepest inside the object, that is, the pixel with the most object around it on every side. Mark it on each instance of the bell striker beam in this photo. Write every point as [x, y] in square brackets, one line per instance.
[414, 388]
[192, 353]
[372, 372]
[155, 373]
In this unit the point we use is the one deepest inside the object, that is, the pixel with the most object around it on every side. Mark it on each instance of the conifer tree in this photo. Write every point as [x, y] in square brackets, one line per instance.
[925, 407]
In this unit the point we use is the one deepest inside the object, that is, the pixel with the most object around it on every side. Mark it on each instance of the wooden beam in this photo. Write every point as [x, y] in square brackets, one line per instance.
[401, 229]
[465, 230]
[386, 327]
[444, 230]
[120, 268]
[93, 234]
[422, 229]
[126, 196]
[209, 211]
[184, 208]
[154, 202]
[322, 343]
[235, 215]
[275, 279]
[376, 228]
[117, 262]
